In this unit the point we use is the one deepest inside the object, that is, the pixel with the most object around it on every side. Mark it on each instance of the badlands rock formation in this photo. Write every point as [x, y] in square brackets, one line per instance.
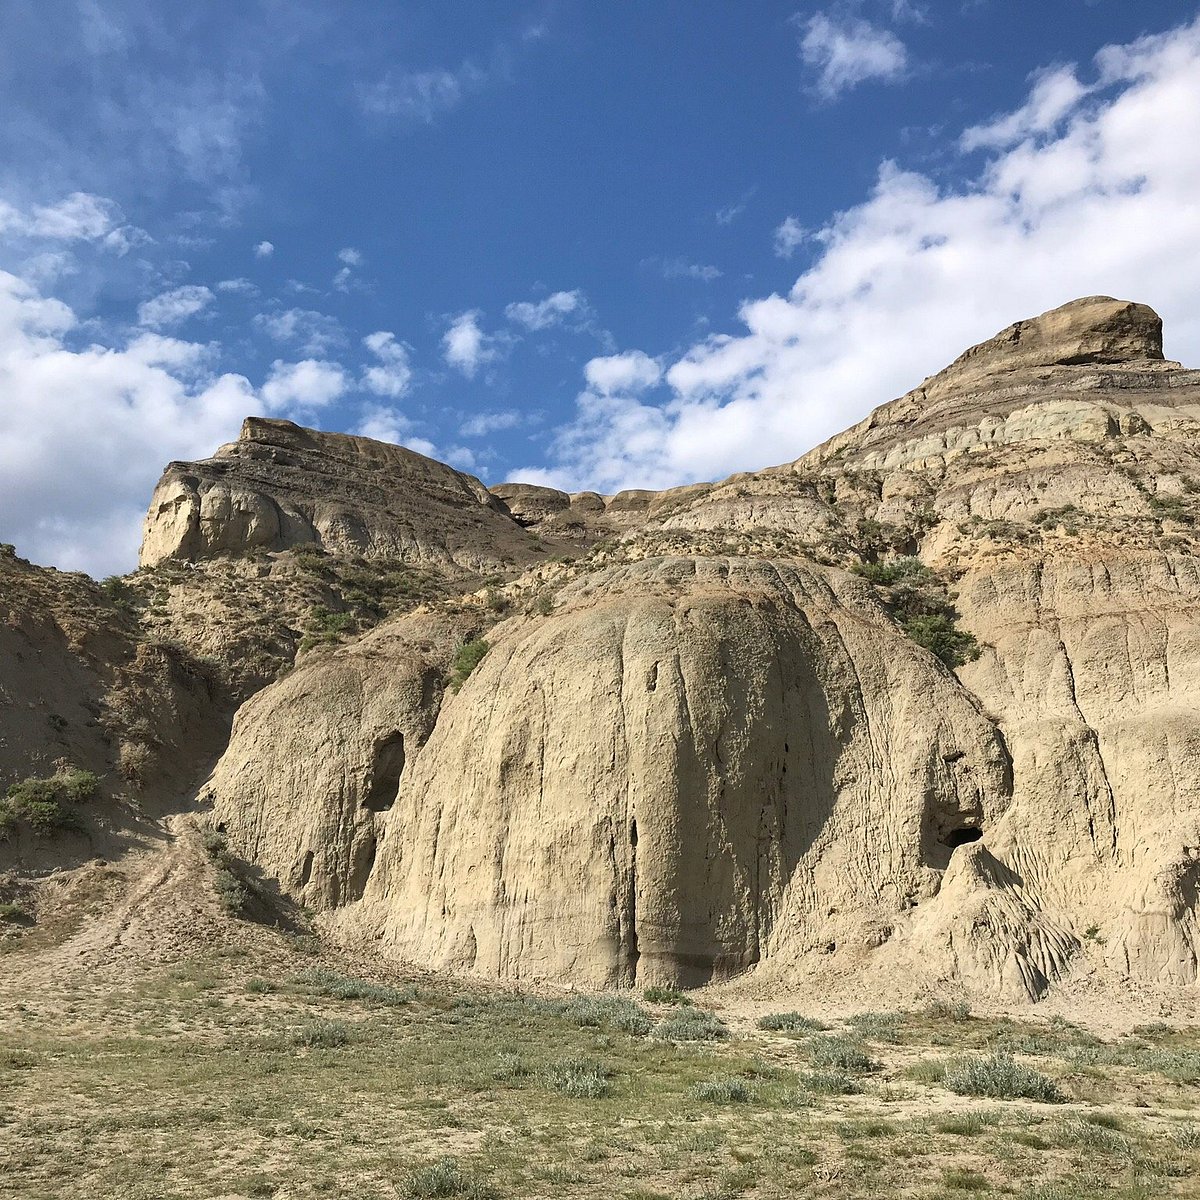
[280, 486]
[920, 707]
[738, 738]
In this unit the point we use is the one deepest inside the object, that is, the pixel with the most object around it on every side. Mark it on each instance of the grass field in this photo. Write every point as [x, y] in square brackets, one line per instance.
[227, 1075]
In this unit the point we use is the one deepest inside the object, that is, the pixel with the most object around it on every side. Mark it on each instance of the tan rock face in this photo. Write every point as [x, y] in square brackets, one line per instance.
[714, 750]
[693, 765]
[315, 761]
[281, 486]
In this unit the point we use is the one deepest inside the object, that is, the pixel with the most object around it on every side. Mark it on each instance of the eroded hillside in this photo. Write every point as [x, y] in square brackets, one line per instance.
[918, 709]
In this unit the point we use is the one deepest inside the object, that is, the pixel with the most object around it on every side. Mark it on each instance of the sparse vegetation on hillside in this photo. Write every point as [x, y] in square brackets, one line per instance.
[917, 600]
[469, 656]
[47, 805]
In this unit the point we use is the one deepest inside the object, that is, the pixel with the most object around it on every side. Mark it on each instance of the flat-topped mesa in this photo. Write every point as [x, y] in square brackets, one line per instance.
[280, 486]
[1088, 370]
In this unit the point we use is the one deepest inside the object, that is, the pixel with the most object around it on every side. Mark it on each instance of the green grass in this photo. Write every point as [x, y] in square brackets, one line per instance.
[723, 1090]
[187, 1080]
[320, 981]
[445, 1177]
[664, 995]
[579, 1078]
[470, 655]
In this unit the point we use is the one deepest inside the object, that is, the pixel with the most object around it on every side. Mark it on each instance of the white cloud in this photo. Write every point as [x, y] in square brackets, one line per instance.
[78, 217]
[1056, 93]
[843, 51]
[392, 376]
[174, 306]
[682, 268]
[482, 424]
[545, 313]
[632, 372]
[85, 433]
[303, 386]
[387, 424]
[421, 96]
[918, 271]
[239, 287]
[313, 332]
[264, 250]
[466, 347]
[350, 256]
[788, 236]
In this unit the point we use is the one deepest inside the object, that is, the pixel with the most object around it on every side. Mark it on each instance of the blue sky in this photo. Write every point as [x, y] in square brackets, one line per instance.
[582, 244]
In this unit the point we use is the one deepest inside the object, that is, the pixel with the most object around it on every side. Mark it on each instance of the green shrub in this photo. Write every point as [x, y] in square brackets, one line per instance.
[445, 1177]
[840, 1053]
[509, 1065]
[938, 634]
[664, 995]
[343, 987]
[881, 1026]
[579, 1078]
[470, 655]
[724, 1090]
[691, 1024]
[44, 804]
[14, 914]
[831, 1083]
[259, 986]
[942, 1009]
[231, 891]
[610, 1012]
[326, 1035]
[791, 1022]
[213, 841]
[1000, 1077]
[886, 574]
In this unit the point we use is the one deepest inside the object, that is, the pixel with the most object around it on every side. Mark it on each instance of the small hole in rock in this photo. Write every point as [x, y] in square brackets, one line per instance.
[960, 837]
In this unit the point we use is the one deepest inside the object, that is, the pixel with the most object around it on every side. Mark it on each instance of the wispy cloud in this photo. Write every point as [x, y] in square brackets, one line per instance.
[841, 51]
[392, 375]
[264, 250]
[351, 259]
[788, 235]
[420, 96]
[684, 268]
[731, 212]
[314, 333]
[174, 307]
[542, 314]
[485, 423]
[1055, 95]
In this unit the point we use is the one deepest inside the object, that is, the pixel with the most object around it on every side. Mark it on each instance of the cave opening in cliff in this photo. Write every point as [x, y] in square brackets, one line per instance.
[387, 765]
[963, 836]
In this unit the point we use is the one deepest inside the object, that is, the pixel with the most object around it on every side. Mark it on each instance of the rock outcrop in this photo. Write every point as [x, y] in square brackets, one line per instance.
[280, 486]
[921, 706]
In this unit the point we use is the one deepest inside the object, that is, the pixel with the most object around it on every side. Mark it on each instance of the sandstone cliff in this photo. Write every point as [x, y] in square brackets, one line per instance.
[718, 747]
[921, 707]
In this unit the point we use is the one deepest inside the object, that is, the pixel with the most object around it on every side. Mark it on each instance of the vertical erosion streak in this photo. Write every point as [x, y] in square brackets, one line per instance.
[632, 953]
